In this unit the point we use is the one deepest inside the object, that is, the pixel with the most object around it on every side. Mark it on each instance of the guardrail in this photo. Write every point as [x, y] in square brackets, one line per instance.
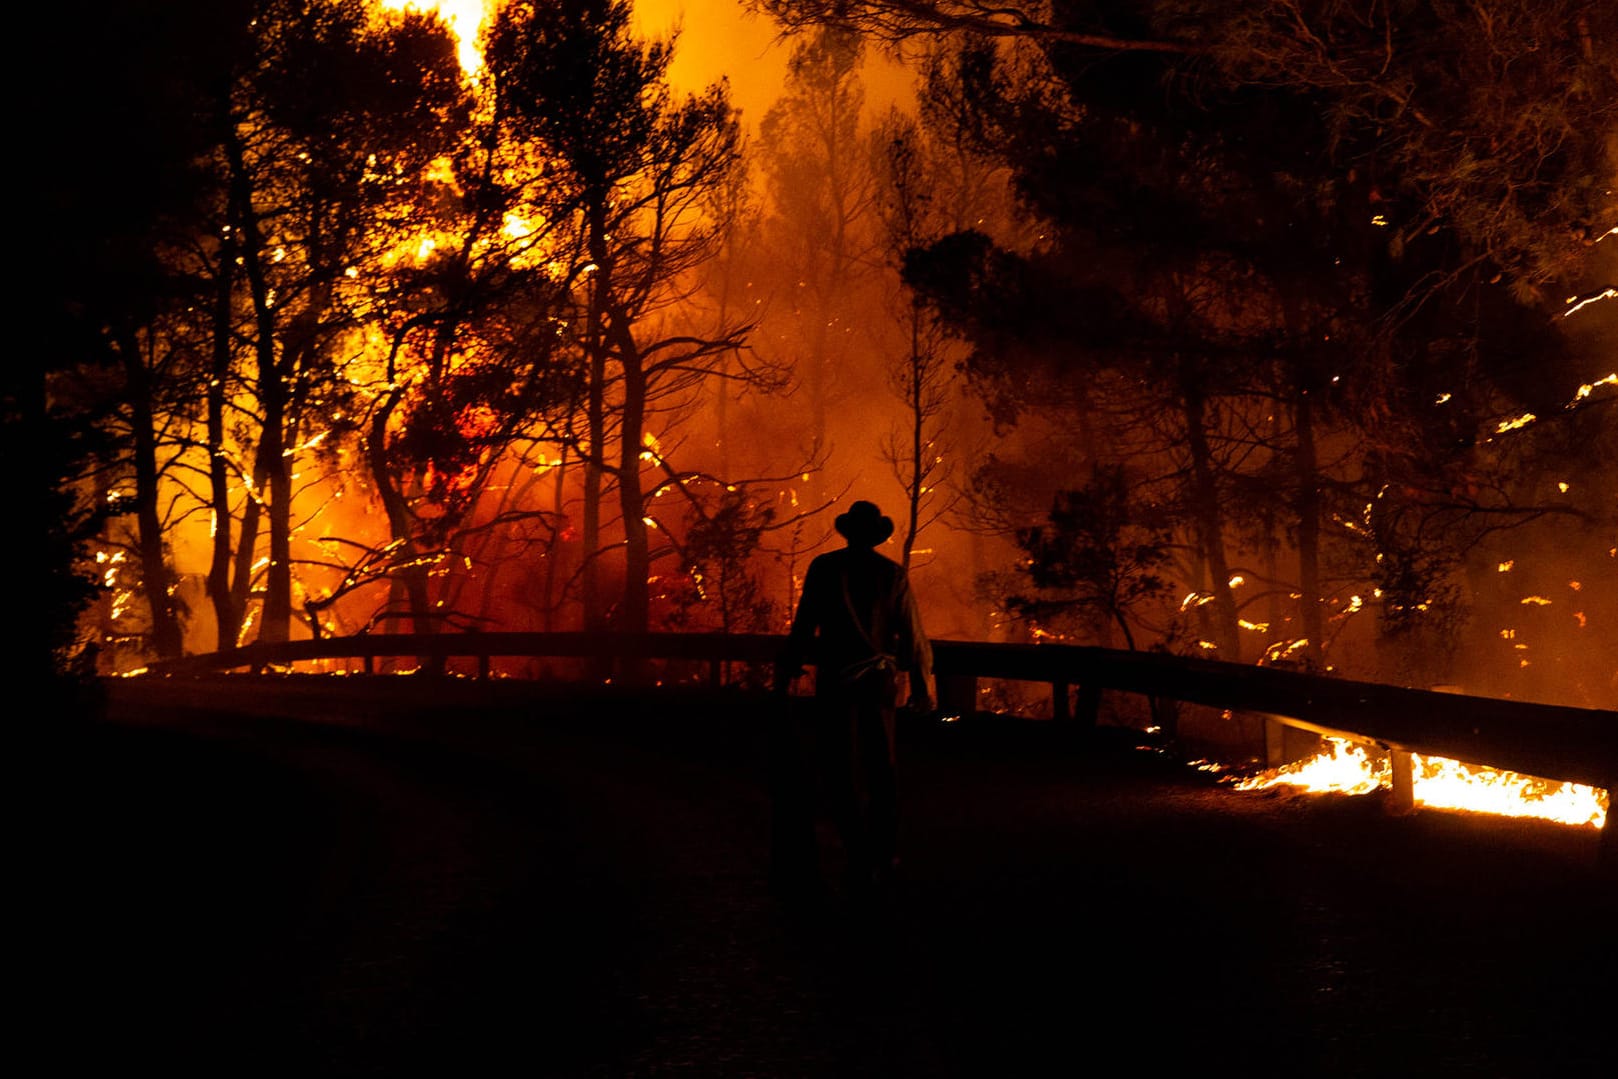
[1551, 741]
[715, 649]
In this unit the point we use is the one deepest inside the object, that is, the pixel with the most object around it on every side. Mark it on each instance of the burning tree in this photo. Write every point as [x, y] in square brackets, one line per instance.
[479, 373]
[1291, 269]
[633, 169]
[326, 112]
[286, 131]
[374, 263]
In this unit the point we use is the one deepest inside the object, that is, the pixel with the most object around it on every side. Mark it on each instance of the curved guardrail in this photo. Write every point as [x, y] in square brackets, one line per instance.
[1551, 741]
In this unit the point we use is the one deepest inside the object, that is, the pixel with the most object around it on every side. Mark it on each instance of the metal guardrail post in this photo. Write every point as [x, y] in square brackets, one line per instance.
[1061, 701]
[958, 693]
[1275, 742]
[1402, 764]
[1089, 710]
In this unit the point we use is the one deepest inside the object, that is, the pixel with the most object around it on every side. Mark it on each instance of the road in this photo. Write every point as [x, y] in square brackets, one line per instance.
[539, 882]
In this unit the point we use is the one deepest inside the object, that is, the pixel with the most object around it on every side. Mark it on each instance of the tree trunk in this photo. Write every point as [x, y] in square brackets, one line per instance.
[270, 478]
[241, 585]
[1308, 511]
[1209, 519]
[227, 611]
[299, 349]
[276, 621]
[155, 577]
[553, 555]
[634, 609]
[595, 614]
[918, 417]
[407, 589]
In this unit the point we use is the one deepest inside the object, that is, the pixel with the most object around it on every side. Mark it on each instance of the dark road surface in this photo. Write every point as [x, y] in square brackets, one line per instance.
[286, 882]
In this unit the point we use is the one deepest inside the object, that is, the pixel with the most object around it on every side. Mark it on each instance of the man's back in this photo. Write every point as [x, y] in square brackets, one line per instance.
[857, 604]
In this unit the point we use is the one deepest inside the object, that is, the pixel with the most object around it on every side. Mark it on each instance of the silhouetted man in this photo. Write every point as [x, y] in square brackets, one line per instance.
[857, 621]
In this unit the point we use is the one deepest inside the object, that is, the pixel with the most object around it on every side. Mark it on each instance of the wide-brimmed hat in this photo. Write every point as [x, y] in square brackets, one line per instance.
[864, 524]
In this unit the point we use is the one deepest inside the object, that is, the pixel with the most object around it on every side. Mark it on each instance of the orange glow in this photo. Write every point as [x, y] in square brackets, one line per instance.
[464, 17]
[719, 39]
[1440, 783]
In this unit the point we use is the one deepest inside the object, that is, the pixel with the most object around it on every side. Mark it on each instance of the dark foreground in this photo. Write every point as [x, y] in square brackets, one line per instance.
[299, 882]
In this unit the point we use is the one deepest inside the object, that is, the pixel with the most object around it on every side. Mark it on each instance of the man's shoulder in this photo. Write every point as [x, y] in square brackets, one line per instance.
[829, 560]
[864, 563]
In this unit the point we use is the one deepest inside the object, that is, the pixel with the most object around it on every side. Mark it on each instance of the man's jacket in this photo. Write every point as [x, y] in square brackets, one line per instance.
[857, 613]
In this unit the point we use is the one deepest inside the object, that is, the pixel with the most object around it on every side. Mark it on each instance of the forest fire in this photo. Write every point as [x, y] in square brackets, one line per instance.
[1346, 767]
[405, 349]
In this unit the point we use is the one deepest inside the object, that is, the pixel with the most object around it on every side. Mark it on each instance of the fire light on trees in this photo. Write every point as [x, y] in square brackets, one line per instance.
[465, 19]
[477, 331]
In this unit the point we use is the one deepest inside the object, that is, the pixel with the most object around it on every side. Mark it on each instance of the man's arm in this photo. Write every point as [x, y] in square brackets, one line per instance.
[919, 660]
[801, 638]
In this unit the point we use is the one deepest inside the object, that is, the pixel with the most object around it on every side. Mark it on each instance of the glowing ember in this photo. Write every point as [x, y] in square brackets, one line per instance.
[1513, 424]
[1281, 650]
[1588, 388]
[1440, 783]
[1578, 304]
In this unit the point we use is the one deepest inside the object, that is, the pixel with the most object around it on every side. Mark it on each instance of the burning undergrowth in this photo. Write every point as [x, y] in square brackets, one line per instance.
[1346, 767]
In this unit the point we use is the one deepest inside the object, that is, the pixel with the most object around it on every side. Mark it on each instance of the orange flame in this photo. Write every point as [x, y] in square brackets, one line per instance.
[1440, 783]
